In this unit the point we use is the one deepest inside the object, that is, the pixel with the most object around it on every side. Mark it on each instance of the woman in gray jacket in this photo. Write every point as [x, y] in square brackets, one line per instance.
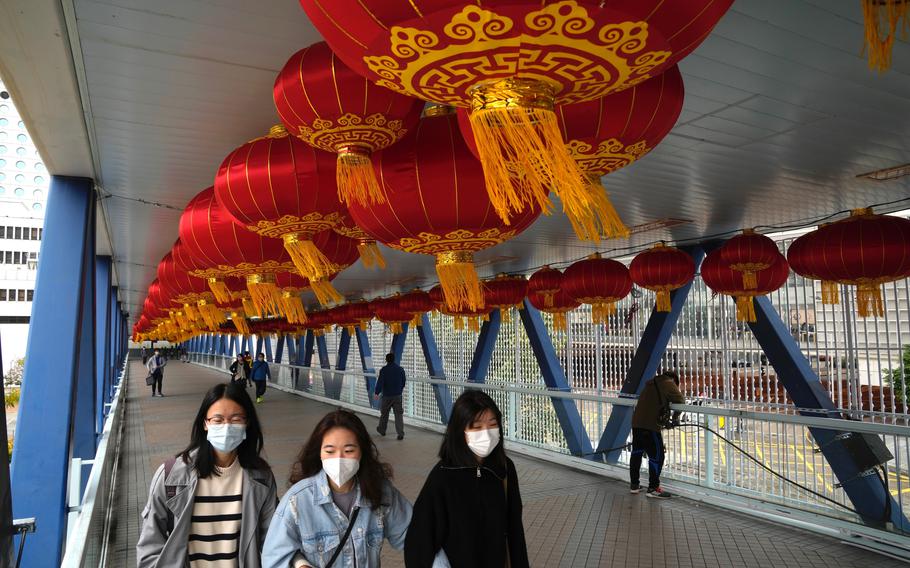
[212, 503]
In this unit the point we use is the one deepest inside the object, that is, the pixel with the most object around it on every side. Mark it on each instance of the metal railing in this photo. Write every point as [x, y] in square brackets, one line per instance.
[695, 456]
[88, 528]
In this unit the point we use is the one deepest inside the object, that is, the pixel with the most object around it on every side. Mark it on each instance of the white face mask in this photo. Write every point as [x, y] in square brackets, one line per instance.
[226, 437]
[482, 442]
[340, 470]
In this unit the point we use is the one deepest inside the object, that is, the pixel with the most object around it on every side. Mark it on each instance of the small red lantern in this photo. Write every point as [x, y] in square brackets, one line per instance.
[505, 292]
[546, 283]
[598, 281]
[662, 269]
[722, 279]
[437, 296]
[803, 257]
[370, 255]
[749, 253]
[359, 312]
[560, 304]
[389, 312]
[416, 303]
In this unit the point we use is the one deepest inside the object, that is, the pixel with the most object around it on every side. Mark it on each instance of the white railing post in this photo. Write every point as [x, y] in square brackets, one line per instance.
[710, 422]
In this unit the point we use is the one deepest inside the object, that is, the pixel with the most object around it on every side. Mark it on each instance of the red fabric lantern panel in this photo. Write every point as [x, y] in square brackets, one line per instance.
[561, 304]
[416, 303]
[370, 255]
[804, 260]
[505, 292]
[598, 281]
[545, 283]
[331, 107]
[511, 63]
[662, 269]
[864, 250]
[359, 312]
[436, 204]
[389, 312]
[722, 279]
[279, 187]
[749, 253]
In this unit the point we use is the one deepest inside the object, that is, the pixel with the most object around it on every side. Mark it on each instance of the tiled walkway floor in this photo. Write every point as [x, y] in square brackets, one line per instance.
[571, 518]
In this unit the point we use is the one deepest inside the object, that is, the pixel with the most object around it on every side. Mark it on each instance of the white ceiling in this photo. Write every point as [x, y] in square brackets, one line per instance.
[781, 113]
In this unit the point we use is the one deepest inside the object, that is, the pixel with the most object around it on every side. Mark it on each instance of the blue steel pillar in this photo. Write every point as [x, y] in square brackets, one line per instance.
[259, 339]
[102, 338]
[866, 492]
[644, 364]
[85, 437]
[555, 379]
[44, 430]
[305, 355]
[232, 347]
[279, 347]
[435, 368]
[328, 385]
[267, 340]
[483, 352]
[366, 363]
[341, 361]
[398, 341]
[292, 352]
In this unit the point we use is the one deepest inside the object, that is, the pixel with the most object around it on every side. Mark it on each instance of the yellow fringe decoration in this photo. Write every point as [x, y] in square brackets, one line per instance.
[416, 319]
[249, 308]
[293, 308]
[601, 311]
[460, 285]
[458, 323]
[325, 293]
[240, 323]
[602, 220]
[395, 327]
[370, 255]
[356, 179]
[745, 309]
[308, 259]
[220, 290]
[879, 42]
[265, 294]
[663, 301]
[191, 312]
[474, 324]
[830, 292]
[211, 314]
[869, 301]
[505, 313]
[560, 322]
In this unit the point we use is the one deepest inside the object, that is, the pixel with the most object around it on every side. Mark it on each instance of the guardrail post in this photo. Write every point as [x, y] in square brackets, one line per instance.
[566, 411]
[435, 368]
[711, 423]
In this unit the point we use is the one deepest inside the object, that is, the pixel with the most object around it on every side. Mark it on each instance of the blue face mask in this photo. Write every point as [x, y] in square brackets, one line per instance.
[226, 437]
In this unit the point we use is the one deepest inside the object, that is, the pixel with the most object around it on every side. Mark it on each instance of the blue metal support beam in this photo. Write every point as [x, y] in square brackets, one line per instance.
[644, 364]
[102, 339]
[307, 352]
[398, 342]
[45, 423]
[435, 368]
[292, 351]
[279, 347]
[483, 352]
[85, 436]
[303, 359]
[555, 378]
[259, 342]
[366, 363]
[865, 488]
[267, 341]
[328, 385]
[341, 361]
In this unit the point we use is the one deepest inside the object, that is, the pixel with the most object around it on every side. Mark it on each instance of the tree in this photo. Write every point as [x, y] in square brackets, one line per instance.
[899, 378]
[14, 377]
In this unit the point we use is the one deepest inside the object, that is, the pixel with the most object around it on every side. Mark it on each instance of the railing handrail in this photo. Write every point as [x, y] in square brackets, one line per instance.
[833, 422]
[78, 537]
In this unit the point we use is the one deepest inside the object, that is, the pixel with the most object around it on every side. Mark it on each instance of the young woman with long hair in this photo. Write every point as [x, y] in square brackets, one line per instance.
[468, 514]
[342, 503]
[212, 503]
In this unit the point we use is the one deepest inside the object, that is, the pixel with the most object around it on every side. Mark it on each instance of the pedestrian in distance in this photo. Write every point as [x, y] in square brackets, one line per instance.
[238, 370]
[342, 503]
[260, 373]
[652, 413]
[145, 355]
[211, 505]
[389, 387]
[155, 366]
[468, 513]
[247, 368]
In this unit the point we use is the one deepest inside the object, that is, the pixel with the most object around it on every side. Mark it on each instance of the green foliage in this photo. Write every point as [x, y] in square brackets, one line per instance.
[11, 397]
[14, 376]
[899, 378]
[9, 446]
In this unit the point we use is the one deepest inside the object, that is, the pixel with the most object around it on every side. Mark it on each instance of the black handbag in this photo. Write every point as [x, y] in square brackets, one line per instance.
[150, 379]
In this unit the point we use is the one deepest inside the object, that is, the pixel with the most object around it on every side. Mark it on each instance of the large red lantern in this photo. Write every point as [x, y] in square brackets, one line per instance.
[279, 187]
[722, 279]
[360, 313]
[560, 305]
[416, 303]
[504, 293]
[803, 257]
[864, 250]
[512, 63]
[662, 269]
[436, 204]
[370, 255]
[546, 283]
[325, 103]
[598, 281]
[389, 312]
[749, 253]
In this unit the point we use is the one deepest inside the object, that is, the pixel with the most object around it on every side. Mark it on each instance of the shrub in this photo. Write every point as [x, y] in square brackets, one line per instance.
[12, 398]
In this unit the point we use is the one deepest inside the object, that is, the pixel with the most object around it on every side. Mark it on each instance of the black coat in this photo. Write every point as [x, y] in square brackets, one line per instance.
[464, 511]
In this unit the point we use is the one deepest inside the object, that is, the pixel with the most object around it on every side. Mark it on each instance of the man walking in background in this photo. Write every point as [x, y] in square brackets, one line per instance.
[390, 385]
[155, 365]
[260, 373]
[652, 413]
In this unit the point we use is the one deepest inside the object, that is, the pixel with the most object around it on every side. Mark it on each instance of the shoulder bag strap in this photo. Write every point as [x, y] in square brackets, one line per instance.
[344, 539]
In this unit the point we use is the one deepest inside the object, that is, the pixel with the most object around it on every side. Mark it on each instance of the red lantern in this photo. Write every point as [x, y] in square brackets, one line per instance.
[749, 253]
[370, 255]
[559, 306]
[360, 313]
[436, 204]
[437, 296]
[184, 290]
[546, 283]
[803, 257]
[598, 281]
[511, 63]
[416, 303]
[864, 250]
[724, 280]
[325, 103]
[279, 187]
[389, 312]
[505, 292]
[662, 269]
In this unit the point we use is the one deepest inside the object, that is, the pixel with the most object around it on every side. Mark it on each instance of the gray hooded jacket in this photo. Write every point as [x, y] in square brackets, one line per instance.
[159, 549]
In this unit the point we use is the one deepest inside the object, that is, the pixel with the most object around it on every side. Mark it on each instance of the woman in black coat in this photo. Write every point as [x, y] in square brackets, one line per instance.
[468, 514]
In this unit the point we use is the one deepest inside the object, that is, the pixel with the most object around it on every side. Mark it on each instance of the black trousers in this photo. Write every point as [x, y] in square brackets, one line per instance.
[389, 403]
[260, 388]
[157, 378]
[650, 443]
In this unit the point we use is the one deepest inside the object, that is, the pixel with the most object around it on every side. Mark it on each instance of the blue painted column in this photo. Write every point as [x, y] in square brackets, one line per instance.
[555, 378]
[341, 361]
[232, 345]
[113, 362]
[267, 341]
[102, 339]
[366, 363]
[644, 364]
[85, 437]
[483, 352]
[303, 359]
[328, 384]
[398, 342]
[307, 352]
[292, 352]
[866, 492]
[259, 342]
[279, 348]
[435, 368]
[43, 434]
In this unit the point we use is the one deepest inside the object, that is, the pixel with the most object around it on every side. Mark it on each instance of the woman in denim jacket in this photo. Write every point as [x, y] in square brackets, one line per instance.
[338, 481]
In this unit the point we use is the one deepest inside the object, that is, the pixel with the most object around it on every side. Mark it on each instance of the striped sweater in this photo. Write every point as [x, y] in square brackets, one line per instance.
[215, 527]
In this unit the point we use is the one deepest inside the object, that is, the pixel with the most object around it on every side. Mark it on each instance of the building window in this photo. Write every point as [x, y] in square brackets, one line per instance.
[29, 295]
[34, 233]
[17, 257]
[21, 295]
[12, 295]
[40, 231]
[18, 233]
[2, 295]
[9, 257]
[2, 232]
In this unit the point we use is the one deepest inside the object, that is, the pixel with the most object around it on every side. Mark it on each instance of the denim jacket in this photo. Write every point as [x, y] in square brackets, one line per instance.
[308, 521]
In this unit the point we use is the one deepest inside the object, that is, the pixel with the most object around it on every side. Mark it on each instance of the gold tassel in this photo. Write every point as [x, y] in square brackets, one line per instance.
[240, 323]
[830, 292]
[458, 323]
[325, 293]
[308, 259]
[879, 42]
[191, 312]
[211, 314]
[293, 308]
[249, 308]
[559, 321]
[663, 301]
[601, 312]
[745, 309]
[600, 221]
[395, 327]
[505, 312]
[220, 290]
[355, 177]
[474, 324]
[460, 284]
[370, 255]
[364, 326]
[869, 300]
[265, 294]
[416, 319]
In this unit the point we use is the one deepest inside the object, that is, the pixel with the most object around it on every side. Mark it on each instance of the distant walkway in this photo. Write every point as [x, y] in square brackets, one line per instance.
[571, 519]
